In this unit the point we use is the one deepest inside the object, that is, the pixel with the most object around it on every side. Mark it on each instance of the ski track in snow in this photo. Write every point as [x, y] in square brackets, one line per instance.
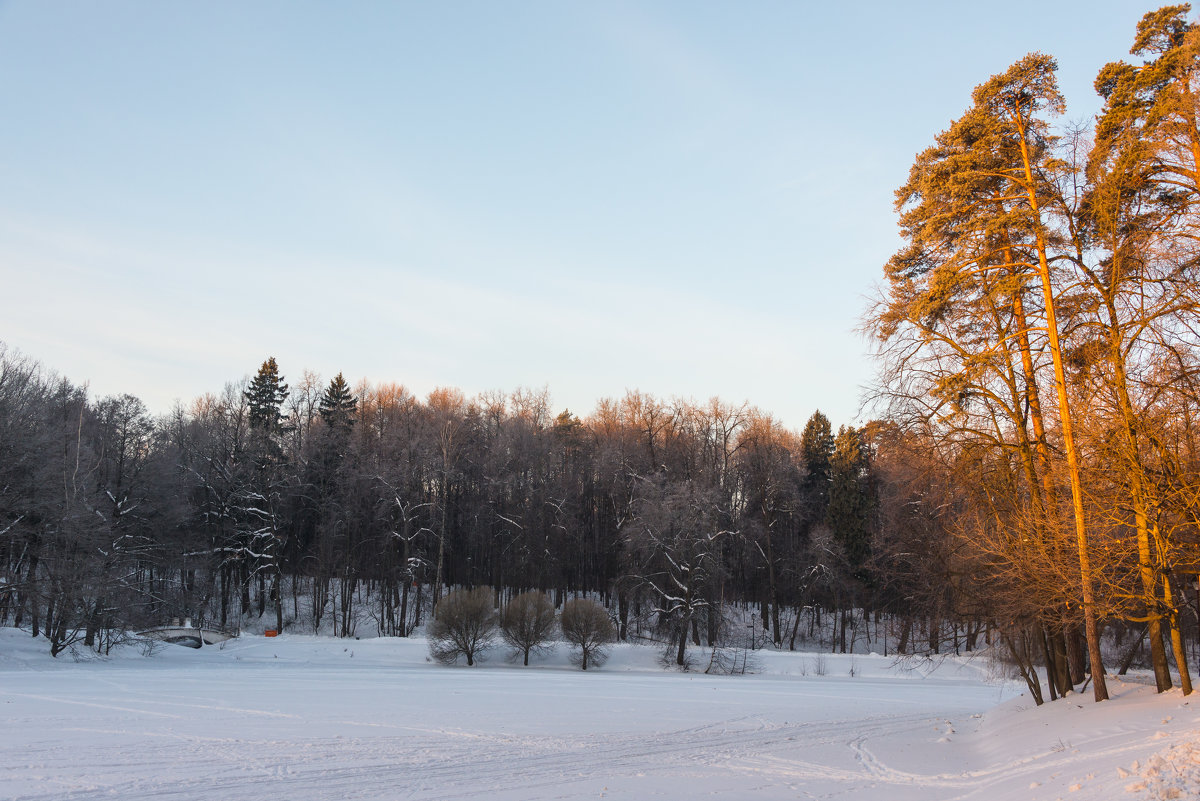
[244, 723]
[446, 768]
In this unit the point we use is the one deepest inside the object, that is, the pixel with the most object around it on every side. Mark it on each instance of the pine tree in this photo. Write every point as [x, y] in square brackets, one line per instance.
[980, 212]
[338, 406]
[1145, 175]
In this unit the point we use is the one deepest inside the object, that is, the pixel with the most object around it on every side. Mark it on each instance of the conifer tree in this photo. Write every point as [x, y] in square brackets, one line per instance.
[1012, 108]
[848, 514]
[262, 498]
[338, 405]
[265, 397]
[1139, 216]
[981, 212]
[816, 445]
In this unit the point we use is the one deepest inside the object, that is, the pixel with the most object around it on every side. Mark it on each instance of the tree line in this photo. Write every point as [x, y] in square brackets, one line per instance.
[287, 503]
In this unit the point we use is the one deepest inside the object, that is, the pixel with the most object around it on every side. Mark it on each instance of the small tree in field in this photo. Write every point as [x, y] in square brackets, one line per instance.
[586, 626]
[464, 624]
[527, 623]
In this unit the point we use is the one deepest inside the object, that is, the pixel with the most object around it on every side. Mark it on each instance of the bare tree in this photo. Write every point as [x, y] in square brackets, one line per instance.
[674, 545]
[527, 623]
[464, 624]
[587, 627]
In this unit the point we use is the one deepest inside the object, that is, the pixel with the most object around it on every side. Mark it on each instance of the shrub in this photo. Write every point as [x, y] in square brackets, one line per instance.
[527, 623]
[586, 626]
[464, 624]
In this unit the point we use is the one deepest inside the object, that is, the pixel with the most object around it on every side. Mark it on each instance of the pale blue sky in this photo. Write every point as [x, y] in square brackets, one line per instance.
[689, 198]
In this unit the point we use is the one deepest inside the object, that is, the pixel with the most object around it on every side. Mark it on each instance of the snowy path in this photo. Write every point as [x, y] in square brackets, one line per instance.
[301, 719]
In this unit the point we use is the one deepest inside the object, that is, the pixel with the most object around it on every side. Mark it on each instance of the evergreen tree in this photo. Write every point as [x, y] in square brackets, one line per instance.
[265, 397]
[850, 502]
[1144, 172]
[261, 500]
[1150, 110]
[338, 406]
[983, 230]
[816, 446]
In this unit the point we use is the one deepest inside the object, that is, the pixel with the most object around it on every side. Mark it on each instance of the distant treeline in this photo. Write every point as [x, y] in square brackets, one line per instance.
[246, 502]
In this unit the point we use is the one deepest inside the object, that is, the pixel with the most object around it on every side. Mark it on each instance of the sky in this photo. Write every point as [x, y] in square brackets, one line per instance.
[691, 199]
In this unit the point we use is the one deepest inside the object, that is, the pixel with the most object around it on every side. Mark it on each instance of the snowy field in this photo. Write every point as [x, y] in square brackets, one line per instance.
[302, 718]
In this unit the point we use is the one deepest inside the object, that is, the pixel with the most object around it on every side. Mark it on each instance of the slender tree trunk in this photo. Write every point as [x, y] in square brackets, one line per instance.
[277, 596]
[1048, 654]
[1076, 650]
[1020, 655]
[795, 628]
[1099, 687]
[1185, 677]
[404, 608]
[622, 614]
[1127, 660]
[1158, 653]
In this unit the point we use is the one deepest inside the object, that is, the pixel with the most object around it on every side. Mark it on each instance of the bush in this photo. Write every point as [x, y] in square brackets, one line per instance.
[585, 624]
[527, 623]
[464, 624]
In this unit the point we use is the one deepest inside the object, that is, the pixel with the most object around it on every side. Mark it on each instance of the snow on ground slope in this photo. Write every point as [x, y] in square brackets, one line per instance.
[301, 718]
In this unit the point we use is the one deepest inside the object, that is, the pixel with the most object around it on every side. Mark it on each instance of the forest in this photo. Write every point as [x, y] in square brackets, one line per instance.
[1029, 480]
[251, 500]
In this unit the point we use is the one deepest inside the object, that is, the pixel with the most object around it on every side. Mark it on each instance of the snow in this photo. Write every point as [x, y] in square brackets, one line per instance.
[298, 718]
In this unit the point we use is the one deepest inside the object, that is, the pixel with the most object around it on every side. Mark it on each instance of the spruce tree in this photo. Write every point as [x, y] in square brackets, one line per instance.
[265, 397]
[850, 502]
[338, 406]
[816, 445]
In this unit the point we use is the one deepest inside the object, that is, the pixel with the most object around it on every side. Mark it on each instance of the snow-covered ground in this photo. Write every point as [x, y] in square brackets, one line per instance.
[301, 718]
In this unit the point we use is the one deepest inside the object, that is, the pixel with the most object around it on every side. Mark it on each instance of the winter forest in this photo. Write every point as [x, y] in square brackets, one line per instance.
[1029, 480]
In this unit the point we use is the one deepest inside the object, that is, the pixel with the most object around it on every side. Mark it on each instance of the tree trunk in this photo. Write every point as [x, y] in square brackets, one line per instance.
[795, 628]
[1127, 660]
[1185, 677]
[1020, 651]
[905, 633]
[1048, 655]
[404, 608]
[683, 638]
[277, 596]
[1076, 649]
[1099, 687]
[622, 614]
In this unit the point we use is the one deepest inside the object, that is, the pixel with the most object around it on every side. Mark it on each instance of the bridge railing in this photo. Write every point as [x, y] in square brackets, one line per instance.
[210, 625]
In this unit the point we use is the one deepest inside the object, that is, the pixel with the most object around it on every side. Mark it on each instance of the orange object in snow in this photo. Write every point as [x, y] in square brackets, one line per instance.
[270, 633]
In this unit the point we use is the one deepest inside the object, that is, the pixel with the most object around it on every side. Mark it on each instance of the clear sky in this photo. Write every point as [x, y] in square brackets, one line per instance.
[689, 198]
